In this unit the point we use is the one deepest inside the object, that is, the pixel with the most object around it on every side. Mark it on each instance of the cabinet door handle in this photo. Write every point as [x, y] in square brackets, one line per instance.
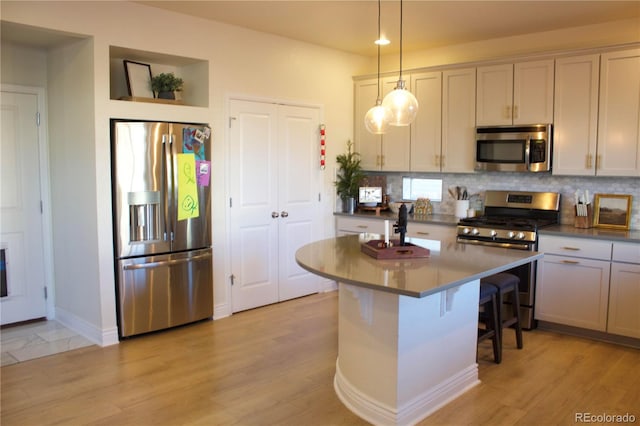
[442, 161]
[382, 160]
[515, 111]
[598, 161]
[571, 248]
[589, 161]
[423, 233]
[571, 262]
[284, 214]
[274, 215]
[363, 226]
[437, 160]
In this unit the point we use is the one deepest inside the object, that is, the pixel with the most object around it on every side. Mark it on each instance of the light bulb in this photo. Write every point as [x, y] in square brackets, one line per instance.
[402, 104]
[376, 120]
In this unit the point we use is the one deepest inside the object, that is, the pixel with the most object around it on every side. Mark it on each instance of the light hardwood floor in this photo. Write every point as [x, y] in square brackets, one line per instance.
[275, 366]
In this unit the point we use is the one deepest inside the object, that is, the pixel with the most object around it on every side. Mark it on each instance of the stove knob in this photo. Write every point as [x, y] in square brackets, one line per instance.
[511, 234]
[520, 235]
[465, 230]
[493, 232]
[475, 231]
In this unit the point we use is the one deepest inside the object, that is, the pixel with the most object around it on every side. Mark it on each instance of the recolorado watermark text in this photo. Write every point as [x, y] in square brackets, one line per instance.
[604, 418]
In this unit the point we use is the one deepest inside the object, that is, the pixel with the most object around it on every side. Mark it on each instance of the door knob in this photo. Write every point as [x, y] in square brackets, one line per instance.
[284, 214]
[274, 215]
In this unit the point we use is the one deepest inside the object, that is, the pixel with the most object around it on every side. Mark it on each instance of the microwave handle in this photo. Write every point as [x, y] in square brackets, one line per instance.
[527, 153]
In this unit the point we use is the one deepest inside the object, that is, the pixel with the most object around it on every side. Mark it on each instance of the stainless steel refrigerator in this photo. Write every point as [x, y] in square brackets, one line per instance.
[162, 224]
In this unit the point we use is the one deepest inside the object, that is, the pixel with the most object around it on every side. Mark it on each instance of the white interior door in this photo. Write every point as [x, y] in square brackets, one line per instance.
[274, 206]
[21, 231]
[253, 188]
[299, 178]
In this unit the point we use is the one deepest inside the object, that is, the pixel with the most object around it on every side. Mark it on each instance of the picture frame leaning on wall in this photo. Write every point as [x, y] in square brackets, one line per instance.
[138, 79]
[612, 211]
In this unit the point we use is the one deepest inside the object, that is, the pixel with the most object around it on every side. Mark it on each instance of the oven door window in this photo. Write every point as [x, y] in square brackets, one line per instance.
[501, 151]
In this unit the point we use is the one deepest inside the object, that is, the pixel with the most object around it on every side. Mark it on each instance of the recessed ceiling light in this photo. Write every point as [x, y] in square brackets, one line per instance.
[382, 41]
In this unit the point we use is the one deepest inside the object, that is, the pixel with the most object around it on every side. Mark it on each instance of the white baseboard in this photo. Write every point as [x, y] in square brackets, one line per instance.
[102, 337]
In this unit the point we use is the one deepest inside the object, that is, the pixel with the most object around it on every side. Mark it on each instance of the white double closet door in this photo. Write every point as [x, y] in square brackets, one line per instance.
[274, 206]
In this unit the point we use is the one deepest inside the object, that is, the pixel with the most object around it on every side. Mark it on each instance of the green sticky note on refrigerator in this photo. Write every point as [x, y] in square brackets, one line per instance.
[188, 205]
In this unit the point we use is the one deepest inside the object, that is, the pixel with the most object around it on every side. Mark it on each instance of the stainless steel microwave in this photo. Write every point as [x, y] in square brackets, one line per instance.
[514, 148]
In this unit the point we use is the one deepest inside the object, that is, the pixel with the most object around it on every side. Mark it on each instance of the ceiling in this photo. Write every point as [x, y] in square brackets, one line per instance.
[351, 26]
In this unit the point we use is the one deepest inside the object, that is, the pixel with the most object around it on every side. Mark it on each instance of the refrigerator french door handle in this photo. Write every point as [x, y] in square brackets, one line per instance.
[168, 181]
[166, 262]
[173, 190]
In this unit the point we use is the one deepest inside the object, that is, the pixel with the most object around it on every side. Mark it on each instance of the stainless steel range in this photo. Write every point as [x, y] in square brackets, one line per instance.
[511, 220]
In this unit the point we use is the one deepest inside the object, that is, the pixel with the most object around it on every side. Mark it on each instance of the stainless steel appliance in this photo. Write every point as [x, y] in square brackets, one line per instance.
[511, 220]
[162, 226]
[514, 148]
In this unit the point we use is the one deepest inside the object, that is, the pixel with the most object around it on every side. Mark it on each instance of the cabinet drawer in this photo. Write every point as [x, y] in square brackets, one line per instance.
[626, 252]
[577, 247]
[359, 226]
[431, 232]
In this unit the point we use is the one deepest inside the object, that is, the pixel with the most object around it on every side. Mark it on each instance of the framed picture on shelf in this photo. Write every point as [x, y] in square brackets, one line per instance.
[612, 211]
[138, 79]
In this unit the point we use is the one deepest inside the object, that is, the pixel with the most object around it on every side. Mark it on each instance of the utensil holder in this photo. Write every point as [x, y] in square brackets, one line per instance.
[584, 221]
[462, 207]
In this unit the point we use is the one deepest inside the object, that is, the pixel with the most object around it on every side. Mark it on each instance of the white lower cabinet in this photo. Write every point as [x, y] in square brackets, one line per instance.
[429, 231]
[624, 291]
[573, 291]
[358, 225]
[590, 284]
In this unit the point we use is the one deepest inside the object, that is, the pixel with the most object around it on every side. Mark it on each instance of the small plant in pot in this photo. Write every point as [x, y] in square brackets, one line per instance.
[165, 85]
[348, 179]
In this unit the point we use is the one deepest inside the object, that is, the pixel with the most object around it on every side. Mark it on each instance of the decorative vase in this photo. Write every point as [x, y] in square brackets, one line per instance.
[349, 205]
[166, 95]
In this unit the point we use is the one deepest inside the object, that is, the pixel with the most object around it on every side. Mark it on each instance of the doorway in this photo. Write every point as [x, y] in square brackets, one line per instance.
[274, 206]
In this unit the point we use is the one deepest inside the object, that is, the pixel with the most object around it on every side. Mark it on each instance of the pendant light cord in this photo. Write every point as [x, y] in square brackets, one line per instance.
[378, 94]
[400, 39]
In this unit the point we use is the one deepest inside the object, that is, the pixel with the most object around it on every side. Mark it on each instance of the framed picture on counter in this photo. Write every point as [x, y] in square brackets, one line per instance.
[612, 211]
[138, 79]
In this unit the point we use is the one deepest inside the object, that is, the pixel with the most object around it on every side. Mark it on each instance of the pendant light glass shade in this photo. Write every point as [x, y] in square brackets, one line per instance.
[400, 101]
[377, 119]
[402, 105]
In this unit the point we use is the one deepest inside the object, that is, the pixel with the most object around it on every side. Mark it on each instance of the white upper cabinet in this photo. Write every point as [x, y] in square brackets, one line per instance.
[458, 152]
[388, 152]
[618, 152]
[575, 124]
[520, 93]
[597, 115]
[426, 130]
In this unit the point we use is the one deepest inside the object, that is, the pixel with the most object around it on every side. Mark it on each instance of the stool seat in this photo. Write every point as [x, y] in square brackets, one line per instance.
[506, 283]
[489, 302]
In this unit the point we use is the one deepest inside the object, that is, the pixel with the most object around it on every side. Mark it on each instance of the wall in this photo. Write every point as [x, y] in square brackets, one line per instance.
[242, 63]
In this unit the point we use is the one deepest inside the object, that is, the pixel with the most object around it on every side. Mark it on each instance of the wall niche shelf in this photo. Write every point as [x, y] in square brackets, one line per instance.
[194, 72]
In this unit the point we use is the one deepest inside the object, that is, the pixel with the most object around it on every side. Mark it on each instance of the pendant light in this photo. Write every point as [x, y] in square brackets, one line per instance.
[400, 101]
[376, 120]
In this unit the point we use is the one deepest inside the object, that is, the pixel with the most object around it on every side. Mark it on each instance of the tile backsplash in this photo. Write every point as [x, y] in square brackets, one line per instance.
[478, 183]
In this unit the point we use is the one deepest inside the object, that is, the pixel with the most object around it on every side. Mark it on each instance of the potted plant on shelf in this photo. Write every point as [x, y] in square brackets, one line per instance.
[348, 179]
[165, 85]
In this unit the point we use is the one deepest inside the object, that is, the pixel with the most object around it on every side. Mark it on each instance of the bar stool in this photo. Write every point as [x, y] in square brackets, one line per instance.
[489, 303]
[507, 283]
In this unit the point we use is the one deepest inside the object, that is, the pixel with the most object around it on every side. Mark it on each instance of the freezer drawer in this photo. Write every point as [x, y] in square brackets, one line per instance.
[164, 291]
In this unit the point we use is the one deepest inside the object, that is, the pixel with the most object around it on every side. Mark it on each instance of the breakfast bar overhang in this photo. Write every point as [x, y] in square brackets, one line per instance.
[407, 330]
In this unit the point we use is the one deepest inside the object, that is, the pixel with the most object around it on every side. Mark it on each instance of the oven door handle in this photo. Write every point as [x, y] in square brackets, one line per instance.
[517, 246]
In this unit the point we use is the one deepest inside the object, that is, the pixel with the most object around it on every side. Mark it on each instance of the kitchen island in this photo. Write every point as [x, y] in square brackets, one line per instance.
[407, 330]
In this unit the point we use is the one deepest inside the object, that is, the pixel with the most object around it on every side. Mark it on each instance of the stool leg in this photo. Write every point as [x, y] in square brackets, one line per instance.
[497, 326]
[516, 313]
